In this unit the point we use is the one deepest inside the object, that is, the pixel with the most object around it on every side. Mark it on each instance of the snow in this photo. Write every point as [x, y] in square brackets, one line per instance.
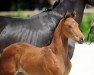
[83, 60]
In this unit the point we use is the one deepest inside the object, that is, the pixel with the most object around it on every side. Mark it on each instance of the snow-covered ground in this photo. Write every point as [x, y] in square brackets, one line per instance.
[83, 60]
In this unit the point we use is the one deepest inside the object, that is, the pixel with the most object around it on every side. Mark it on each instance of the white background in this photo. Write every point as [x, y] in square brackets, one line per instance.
[83, 60]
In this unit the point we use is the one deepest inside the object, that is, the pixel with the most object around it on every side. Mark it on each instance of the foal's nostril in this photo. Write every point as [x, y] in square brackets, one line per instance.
[81, 40]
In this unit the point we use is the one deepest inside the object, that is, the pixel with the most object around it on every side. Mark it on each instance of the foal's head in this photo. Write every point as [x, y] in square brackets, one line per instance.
[70, 28]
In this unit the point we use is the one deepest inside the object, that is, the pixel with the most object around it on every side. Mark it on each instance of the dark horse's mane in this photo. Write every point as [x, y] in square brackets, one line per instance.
[52, 7]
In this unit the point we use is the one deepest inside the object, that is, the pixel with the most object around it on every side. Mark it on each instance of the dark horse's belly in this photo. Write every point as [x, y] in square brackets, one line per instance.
[23, 36]
[16, 34]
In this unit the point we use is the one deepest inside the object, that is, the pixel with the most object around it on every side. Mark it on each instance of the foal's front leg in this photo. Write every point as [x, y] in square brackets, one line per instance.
[67, 68]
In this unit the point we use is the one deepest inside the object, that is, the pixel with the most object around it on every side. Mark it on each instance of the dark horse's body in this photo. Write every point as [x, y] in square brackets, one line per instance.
[39, 29]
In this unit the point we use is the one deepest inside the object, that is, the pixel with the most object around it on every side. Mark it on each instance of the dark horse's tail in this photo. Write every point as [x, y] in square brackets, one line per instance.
[3, 22]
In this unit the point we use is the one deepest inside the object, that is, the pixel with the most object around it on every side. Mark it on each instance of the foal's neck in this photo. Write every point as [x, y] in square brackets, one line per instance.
[59, 42]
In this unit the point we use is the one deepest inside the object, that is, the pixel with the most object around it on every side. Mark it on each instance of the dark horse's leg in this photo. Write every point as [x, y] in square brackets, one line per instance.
[79, 9]
[71, 46]
[91, 2]
[79, 13]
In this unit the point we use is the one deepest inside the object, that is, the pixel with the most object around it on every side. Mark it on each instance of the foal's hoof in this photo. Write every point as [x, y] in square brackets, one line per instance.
[20, 73]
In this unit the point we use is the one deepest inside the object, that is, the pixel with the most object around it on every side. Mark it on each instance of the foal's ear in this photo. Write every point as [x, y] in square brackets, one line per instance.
[73, 14]
[67, 15]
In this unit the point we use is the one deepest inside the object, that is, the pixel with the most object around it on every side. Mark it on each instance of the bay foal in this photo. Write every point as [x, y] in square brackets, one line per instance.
[50, 60]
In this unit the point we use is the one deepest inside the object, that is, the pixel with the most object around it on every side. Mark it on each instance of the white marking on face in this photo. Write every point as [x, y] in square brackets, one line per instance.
[74, 22]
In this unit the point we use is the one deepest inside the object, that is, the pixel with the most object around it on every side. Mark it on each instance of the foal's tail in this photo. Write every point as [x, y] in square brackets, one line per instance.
[0, 56]
[0, 66]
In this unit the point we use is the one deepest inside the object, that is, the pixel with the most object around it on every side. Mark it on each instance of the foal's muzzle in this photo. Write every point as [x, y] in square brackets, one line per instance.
[81, 40]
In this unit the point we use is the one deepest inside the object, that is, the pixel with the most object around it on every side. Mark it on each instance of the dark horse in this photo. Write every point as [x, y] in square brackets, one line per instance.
[39, 29]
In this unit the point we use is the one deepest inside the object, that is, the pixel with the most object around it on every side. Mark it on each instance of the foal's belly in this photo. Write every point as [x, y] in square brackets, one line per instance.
[23, 71]
[39, 64]
[30, 62]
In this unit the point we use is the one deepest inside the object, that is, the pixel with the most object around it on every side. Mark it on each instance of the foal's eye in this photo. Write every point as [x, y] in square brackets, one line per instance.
[69, 26]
